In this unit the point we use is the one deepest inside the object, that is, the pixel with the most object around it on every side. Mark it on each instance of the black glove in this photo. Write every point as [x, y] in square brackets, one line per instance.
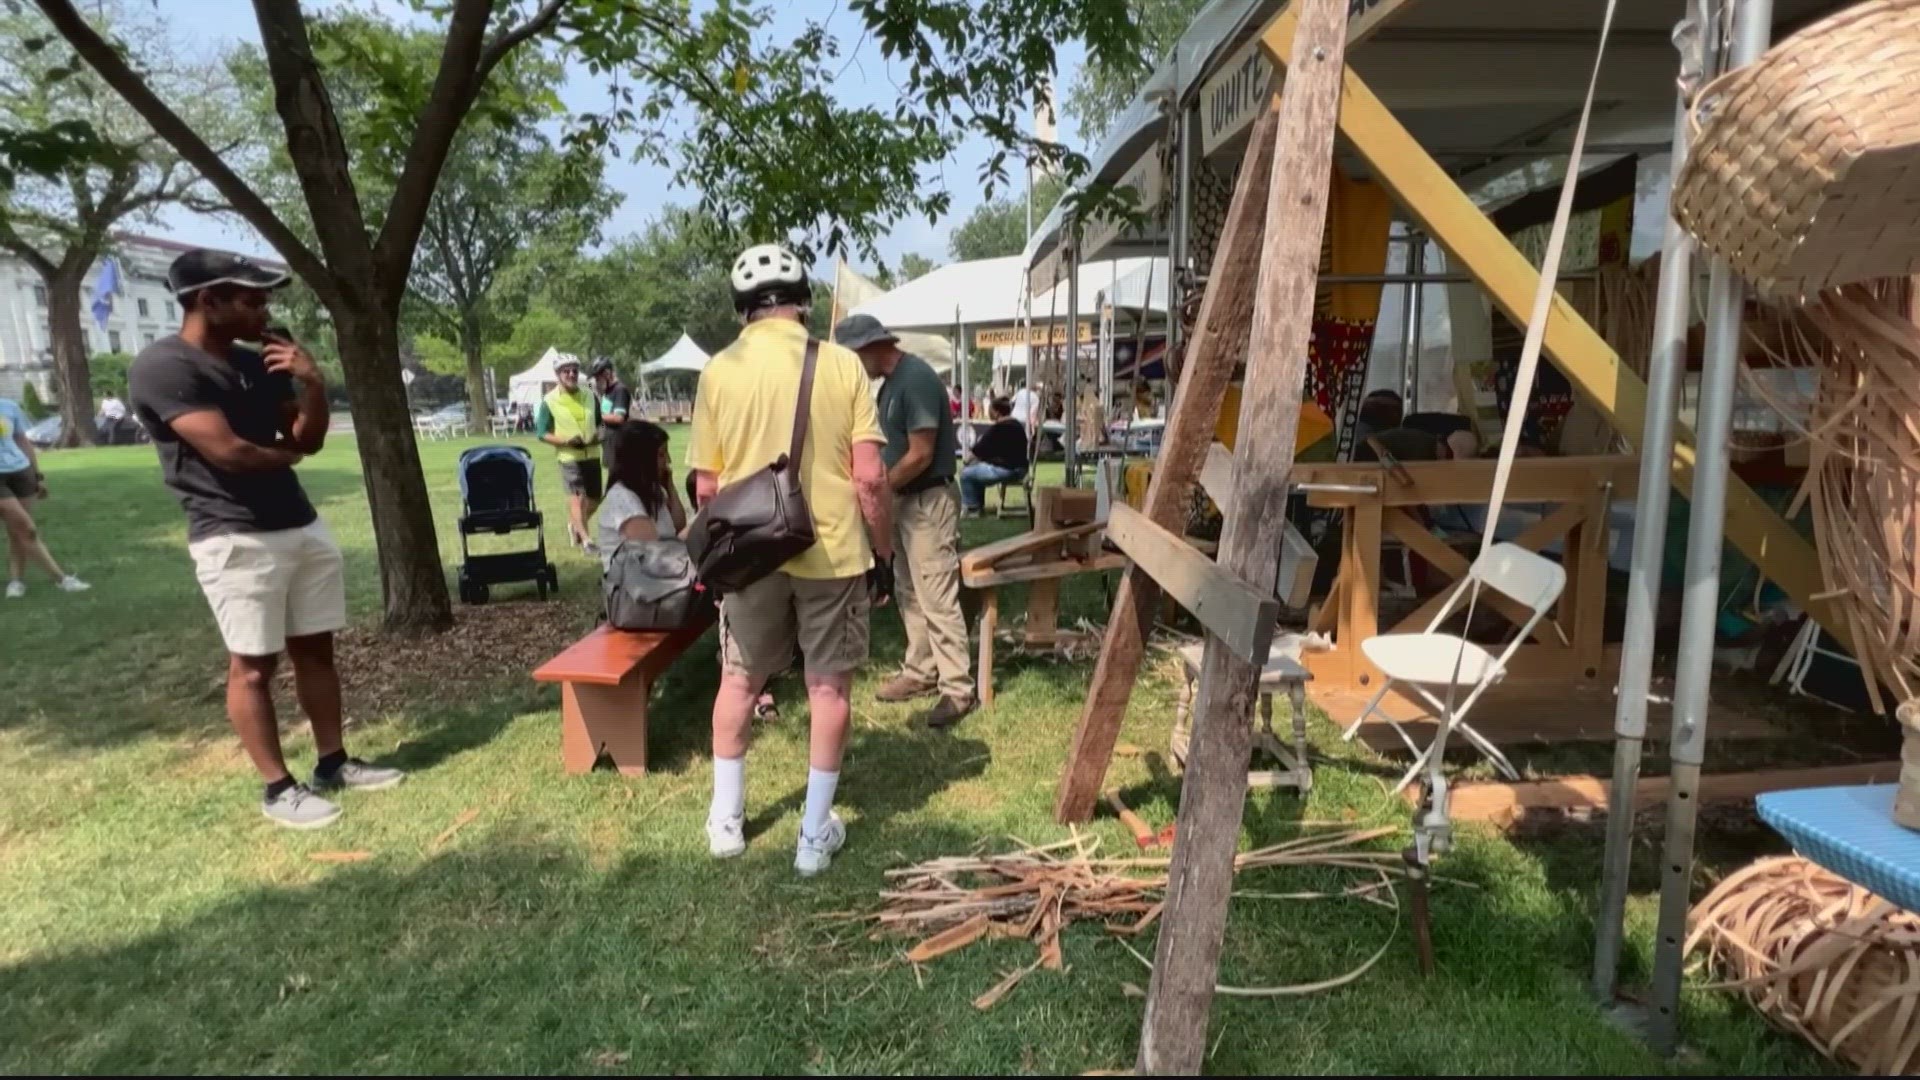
[577, 443]
[880, 582]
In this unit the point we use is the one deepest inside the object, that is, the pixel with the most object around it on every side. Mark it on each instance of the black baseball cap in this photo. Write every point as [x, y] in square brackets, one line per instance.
[199, 268]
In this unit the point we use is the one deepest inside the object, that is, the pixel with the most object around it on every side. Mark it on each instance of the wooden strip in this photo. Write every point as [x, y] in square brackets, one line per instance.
[952, 939]
[1107, 560]
[1173, 1035]
[1502, 804]
[986, 555]
[1441, 483]
[1214, 350]
[1448, 215]
[1232, 610]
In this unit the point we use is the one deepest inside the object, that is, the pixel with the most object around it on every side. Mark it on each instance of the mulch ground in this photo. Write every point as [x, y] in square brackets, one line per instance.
[383, 674]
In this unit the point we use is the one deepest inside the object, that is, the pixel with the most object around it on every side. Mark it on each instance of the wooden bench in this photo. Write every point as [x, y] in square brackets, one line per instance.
[605, 679]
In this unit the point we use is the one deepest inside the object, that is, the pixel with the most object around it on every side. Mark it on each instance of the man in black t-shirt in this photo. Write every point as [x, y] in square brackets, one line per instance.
[615, 402]
[230, 421]
[998, 457]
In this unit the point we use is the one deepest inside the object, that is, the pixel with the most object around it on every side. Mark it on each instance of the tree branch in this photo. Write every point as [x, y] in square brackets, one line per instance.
[11, 240]
[447, 104]
[498, 49]
[114, 70]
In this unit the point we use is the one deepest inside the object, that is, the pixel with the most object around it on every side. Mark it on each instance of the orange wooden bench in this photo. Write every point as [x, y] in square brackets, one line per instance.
[605, 679]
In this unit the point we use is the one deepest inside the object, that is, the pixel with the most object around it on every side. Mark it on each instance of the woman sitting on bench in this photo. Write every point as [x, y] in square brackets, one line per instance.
[641, 502]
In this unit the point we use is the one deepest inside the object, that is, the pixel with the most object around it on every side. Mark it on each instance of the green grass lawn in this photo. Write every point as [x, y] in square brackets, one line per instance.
[152, 921]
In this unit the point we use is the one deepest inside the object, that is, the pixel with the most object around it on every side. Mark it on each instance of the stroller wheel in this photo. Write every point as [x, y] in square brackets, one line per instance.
[479, 594]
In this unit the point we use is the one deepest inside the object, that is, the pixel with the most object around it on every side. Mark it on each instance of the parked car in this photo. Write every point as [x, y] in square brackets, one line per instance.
[44, 433]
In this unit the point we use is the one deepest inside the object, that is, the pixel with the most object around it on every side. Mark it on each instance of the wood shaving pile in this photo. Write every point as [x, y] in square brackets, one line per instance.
[1034, 893]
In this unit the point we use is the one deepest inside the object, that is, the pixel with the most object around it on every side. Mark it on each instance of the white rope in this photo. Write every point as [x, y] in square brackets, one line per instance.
[1543, 298]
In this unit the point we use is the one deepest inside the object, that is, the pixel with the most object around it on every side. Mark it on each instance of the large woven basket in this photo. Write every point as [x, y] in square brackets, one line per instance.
[1820, 957]
[1805, 171]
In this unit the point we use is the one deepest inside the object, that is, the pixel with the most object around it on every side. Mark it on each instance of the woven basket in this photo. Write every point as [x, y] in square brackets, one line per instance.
[1806, 174]
[1906, 798]
[1820, 957]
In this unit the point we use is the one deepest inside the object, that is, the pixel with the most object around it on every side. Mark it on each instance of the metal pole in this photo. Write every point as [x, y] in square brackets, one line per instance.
[1070, 416]
[1177, 236]
[1416, 265]
[1753, 25]
[1673, 312]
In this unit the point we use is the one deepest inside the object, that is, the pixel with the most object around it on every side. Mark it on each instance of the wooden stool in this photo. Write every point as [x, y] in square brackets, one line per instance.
[1282, 671]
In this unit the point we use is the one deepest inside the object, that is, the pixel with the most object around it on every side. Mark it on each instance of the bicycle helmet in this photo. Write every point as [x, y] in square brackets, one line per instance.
[768, 274]
[601, 365]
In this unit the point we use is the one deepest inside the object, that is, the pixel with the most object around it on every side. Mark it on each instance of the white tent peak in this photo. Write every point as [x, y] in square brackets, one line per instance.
[685, 355]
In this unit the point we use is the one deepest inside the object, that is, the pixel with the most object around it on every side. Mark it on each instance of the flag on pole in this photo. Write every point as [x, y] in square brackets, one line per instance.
[104, 287]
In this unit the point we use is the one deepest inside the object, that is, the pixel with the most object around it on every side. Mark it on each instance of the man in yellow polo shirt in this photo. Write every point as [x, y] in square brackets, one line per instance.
[569, 420]
[743, 421]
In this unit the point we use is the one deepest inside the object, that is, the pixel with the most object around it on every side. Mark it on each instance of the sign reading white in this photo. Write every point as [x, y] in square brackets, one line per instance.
[1229, 100]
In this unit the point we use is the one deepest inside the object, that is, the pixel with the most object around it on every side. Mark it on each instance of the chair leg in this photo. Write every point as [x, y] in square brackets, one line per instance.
[1490, 751]
[1354, 728]
[1302, 771]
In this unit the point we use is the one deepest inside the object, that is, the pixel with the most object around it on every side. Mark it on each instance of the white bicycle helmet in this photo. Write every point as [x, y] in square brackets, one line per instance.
[767, 274]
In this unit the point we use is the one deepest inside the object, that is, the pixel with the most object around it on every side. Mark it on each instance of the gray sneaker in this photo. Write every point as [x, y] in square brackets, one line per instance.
[299, 808]
[359, 776]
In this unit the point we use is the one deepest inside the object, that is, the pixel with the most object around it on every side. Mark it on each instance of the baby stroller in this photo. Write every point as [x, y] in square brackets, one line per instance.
[496, 496]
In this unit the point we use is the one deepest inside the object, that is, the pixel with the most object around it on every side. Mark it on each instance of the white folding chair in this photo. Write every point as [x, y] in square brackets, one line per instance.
[1434, 659]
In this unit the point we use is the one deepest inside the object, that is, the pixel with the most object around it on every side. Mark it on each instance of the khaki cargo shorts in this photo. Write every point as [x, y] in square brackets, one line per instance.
[267, 587]
[826, 618]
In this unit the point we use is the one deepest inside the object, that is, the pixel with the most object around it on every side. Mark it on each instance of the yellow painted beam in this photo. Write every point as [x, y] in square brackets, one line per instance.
[1448, 215]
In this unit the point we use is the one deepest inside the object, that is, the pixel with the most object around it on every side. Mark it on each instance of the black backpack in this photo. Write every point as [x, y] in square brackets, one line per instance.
[652, 585]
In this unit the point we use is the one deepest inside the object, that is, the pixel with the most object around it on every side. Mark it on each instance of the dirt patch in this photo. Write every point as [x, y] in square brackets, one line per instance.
[382, 674]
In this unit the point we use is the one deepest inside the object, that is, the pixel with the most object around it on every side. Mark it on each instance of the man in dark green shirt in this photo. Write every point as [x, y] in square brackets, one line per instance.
[922, 455]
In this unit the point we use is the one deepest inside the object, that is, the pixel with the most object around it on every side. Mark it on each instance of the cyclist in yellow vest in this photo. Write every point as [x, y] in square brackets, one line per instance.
[569, 419]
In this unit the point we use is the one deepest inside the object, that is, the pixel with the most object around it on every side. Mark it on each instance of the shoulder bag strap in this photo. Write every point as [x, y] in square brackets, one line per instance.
[803, 412]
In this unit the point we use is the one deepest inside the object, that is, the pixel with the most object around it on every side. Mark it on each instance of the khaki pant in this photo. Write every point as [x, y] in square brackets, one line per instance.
[266, 587]
[926, 577]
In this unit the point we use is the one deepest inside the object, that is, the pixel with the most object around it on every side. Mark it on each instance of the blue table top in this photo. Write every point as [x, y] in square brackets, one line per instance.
[1851, 831]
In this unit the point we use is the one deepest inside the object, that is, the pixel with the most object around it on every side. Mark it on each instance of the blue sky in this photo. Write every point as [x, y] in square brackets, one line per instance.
[869, 80]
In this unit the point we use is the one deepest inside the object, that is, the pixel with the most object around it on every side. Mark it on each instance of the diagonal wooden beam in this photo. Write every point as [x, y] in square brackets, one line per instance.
[1229, 608]
[1218, 342]
[1219, 336]
[1448, 215]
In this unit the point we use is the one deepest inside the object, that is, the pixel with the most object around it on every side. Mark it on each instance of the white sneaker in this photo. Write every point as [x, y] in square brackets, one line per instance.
[728, 838]
[73, 584]
[816, 852]
[16, 589]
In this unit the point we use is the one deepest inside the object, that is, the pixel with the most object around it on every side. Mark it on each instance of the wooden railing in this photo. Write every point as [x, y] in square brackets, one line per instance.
[1375, 501]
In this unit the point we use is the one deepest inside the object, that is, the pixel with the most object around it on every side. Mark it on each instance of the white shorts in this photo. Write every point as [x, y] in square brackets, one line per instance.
[267, 587]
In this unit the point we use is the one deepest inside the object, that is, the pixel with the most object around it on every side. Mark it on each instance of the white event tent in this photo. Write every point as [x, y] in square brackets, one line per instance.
[528, 387]
[684, 356]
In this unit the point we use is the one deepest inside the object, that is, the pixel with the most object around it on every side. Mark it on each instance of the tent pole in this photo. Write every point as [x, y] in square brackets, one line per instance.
[1070, 415]
[1753, 25]
[1177, 239]
[1672, 313]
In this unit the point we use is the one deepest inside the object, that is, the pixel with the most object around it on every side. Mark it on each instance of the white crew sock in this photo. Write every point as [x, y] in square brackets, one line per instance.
[820, 787]
[729, 789]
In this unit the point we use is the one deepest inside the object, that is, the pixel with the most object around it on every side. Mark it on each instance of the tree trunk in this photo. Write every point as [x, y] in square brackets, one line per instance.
[479, 407]
[72, 380]
[413, 585]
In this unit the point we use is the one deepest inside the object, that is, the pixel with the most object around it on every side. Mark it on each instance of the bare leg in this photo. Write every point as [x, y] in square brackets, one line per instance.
[23, 541]
[827, 695]
[317, 683]
[576, 517]
[733, 714]
[250, 710]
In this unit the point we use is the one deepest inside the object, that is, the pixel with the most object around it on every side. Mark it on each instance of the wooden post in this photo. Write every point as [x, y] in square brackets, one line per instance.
[1219, 334]
[1173, 1036]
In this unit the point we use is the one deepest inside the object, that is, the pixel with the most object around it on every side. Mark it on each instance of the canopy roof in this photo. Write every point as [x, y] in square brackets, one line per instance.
[683, 356]
[1487, 88]
[982, 292]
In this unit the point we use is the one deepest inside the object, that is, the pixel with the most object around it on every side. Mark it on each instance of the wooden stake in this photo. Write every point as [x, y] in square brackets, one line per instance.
[1218, 342]
[1173, 1036]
